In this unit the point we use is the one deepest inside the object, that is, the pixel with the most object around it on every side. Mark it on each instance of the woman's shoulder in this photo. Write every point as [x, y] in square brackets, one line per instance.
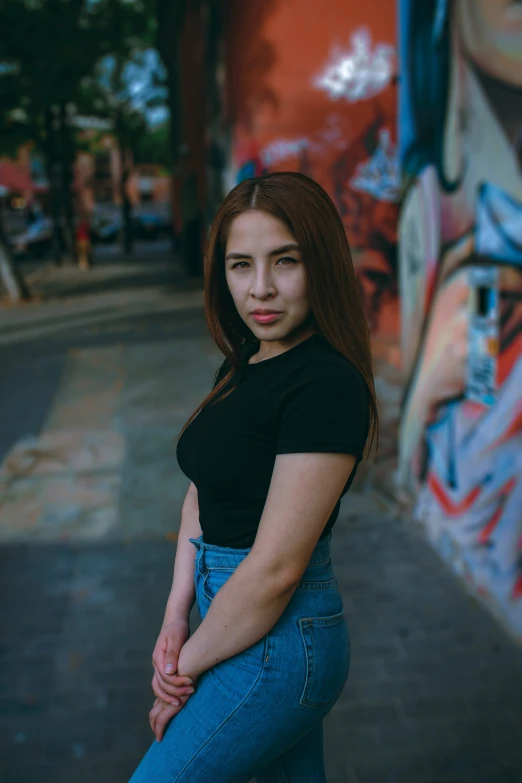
[324, 405]
[327, 373]
[324, 360]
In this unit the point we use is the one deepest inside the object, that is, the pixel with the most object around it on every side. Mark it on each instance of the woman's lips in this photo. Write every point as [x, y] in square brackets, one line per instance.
[265, 319]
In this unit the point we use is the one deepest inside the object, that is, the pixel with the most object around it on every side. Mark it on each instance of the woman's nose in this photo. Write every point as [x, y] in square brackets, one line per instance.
[262, 285]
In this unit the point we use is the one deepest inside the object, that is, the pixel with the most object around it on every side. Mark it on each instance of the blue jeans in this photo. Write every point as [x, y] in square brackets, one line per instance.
[260, 713]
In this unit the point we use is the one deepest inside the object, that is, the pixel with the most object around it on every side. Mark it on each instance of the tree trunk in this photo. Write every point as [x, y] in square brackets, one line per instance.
[216, 133]
[67, 155]
[126, 206]
[170, 20]
[54, 175]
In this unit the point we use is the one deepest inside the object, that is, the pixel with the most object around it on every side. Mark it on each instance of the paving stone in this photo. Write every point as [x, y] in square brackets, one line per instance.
[434, 689]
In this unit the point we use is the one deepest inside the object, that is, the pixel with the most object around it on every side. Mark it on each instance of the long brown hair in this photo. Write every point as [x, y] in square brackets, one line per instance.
[333, 290]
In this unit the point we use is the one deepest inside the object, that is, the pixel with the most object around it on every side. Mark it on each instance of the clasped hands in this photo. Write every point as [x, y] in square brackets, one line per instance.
[172, 689]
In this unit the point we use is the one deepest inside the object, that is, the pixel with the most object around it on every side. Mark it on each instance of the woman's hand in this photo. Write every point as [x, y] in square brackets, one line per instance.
[164, 710]
[169, 686]
[161, 713]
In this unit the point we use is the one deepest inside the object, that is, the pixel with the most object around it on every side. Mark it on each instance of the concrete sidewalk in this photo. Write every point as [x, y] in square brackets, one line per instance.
[97, 380]
[433, 694]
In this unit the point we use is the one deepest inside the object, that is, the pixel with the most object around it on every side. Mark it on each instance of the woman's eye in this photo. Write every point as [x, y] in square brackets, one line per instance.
[289, 259]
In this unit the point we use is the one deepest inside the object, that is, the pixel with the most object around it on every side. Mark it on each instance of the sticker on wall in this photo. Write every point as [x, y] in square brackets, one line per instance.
[483, 335]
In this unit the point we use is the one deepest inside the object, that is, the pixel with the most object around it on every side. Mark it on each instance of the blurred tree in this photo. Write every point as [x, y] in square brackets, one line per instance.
[189, 40]
[124, 90]
[154, 146]
[50, 49]
[202, 38]
[170, 15]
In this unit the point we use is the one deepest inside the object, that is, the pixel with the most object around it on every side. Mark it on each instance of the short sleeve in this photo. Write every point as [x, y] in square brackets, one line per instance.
[325, 408]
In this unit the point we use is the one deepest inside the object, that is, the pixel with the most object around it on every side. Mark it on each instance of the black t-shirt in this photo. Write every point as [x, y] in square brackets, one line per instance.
[308, 399]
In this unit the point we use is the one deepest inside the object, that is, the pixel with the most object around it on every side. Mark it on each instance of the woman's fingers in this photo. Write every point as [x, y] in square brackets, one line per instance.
[175, 680]
[173, 687]
[162, 694]
[162, 718]
[161, 713]
[153, 714]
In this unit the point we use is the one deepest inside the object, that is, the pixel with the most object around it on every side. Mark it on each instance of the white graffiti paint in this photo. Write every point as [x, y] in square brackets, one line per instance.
[361, 72]
[281, 149]
[380, 174]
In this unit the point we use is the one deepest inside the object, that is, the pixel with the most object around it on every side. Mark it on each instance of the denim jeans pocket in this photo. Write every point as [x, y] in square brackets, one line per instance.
[327, 654]
[214, 579]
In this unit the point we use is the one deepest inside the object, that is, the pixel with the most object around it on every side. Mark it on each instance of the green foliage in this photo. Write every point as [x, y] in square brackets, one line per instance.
[50, 48]
[123, 91]
[154, 147]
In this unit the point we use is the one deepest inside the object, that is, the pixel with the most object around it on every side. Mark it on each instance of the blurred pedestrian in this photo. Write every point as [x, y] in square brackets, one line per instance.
[83, 242]
[269, 453]
[32, 213]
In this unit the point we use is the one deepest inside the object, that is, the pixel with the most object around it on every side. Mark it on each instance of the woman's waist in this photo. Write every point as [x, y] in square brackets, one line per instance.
[210, 557]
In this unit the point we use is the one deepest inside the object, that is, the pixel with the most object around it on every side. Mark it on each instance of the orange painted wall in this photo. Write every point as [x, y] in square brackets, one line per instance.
[275, 49]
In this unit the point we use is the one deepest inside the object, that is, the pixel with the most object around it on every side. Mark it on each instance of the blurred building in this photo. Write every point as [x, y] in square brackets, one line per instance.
[98, 178]
[96, 184]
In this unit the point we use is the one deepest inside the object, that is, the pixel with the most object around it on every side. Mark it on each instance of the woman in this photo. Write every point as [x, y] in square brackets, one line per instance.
[269, 452]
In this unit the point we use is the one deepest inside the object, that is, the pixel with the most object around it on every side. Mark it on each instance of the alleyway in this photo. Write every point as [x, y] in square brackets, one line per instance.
[95, 385]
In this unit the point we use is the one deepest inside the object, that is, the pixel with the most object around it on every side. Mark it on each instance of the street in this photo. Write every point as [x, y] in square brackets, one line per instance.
[96, 381]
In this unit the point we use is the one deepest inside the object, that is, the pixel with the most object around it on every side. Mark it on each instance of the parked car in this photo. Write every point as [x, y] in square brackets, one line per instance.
[145, 226]
[150, 225]
[105, 228]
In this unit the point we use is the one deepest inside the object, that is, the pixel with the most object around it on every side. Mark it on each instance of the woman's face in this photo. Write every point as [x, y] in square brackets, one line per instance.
[491, 33]
[265, 271]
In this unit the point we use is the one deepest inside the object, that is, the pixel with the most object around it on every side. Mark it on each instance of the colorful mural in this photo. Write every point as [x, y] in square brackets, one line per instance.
[460, 280]
[321, 99]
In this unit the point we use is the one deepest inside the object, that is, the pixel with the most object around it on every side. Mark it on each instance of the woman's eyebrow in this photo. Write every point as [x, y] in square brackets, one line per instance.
[276, 252]
[284, 249]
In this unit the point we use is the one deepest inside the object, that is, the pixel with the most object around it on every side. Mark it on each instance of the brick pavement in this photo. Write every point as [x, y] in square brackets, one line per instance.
[434, 691]
[433, 694]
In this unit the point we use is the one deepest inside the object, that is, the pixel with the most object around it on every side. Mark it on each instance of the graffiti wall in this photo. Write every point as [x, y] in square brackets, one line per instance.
[460, 281]
[319, 96]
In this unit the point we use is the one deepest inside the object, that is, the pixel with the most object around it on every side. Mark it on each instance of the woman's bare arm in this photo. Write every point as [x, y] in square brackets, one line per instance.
[303, 493]
[182, 594]
[175, 630]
